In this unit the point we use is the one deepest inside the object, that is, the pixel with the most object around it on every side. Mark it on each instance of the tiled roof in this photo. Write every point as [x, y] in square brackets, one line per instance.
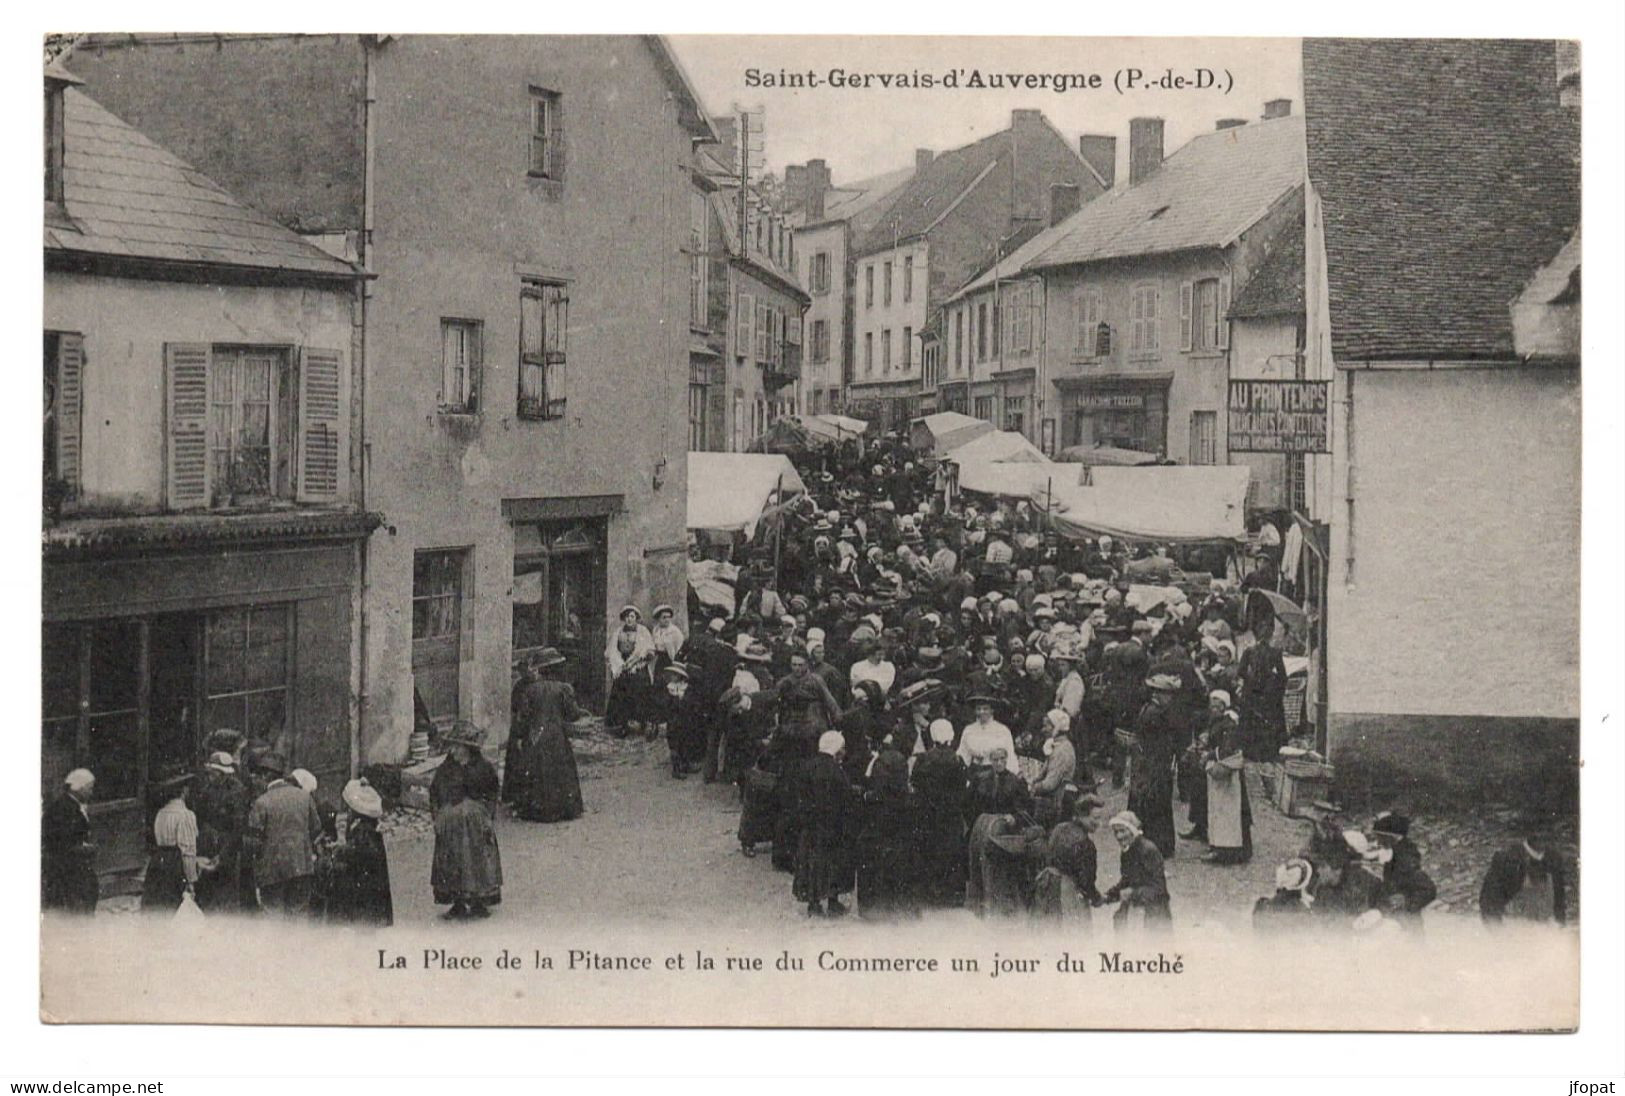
[917, 205]
[1276, 287]
[1029, 242]
[861, 202]
[128, 198]
[1204, 195]
[1447, 177]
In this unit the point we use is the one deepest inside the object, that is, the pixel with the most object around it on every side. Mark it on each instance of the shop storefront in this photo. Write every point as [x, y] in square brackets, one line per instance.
[1120, 411]
[157, 633]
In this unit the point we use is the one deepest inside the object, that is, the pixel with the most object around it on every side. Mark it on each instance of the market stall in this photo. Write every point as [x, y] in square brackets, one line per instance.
[1169, 504]
[730, 492]
[939, 434]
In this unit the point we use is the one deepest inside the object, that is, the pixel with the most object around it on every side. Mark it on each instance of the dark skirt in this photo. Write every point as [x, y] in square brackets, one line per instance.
[220, 890]
[467, 866]
[939, 849]
[165, 882]
[885, 864]
[1151, 797]
[759, 814]
[551, 789]
[360, 893]
[629, 699]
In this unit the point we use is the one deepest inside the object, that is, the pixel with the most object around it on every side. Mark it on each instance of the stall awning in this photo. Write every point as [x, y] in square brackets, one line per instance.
[1017, 479]
[729, 491]
[939, 433]
[998, 445]
[1169, 504]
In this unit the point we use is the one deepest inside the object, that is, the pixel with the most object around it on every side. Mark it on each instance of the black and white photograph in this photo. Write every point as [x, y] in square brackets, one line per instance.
[776, 531]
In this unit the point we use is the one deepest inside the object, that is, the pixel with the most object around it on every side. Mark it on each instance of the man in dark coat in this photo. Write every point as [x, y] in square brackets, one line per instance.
[1262, 703]
[1151, 791]
[1529, 881]
[1127, 667]
[821, 800]
[67, 854]
[1406, 890]
[885, 864]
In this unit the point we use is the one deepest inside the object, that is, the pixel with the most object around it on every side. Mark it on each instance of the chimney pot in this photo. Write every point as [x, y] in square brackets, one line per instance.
[1064, 200]
[1277, 108]
[1144, 148]
[1099, 151]
[1229, 123]
[922, 159]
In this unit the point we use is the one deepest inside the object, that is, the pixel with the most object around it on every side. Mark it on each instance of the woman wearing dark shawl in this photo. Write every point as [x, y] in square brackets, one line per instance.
[360, 893]
[467, 867]
[941, 789]
[550, 787]
[885, 860]
[821, 800]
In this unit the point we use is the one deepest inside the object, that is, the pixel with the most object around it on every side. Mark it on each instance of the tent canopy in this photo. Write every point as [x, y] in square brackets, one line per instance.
[1105, 455]
[1017, 479]
[939, 433]
[728, 491]
[998, 445]
[1174, 504]
[835, 426]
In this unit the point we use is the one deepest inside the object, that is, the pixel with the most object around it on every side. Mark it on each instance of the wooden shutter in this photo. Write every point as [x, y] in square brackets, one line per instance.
[745, 337]
[1223, 321]
[186, 406]
[555, 137]
[70, 402]
[1185, 318]
[322, 453]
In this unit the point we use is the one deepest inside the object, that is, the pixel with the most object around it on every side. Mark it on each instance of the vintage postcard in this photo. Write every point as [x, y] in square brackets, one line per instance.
[819, 532]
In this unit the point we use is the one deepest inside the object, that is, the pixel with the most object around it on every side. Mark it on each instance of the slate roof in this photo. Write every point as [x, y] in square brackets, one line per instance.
[1447, 172]
[1276, 287]
[863, 201]
[918, 204]
[126, 197]
[725, 204]
[1206, 194]
[1028, 242]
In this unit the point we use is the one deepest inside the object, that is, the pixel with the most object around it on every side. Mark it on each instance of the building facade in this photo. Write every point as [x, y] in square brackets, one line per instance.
[528, 300]
[204, 532]
[960, 209]
[1453, 488]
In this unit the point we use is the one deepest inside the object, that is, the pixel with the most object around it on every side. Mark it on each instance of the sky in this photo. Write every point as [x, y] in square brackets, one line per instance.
[866, 131]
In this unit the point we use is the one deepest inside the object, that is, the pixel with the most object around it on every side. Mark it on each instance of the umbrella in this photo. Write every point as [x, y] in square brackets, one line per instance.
[1284, 609]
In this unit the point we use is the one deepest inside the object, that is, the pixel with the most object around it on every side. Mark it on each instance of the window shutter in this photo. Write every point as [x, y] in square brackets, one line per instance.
[555, 137]
[1224, 310]
[745, 340]
[70, 401]
[186, 406]
[1185, 315]
[321, 426]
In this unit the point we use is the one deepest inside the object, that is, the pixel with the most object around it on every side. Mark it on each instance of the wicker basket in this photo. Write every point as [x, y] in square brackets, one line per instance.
[1300, 769]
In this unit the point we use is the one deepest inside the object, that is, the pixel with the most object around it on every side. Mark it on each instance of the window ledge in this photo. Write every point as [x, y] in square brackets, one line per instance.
[545, 186]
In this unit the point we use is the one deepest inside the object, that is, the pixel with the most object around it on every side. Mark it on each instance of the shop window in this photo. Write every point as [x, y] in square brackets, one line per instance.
[543, 332]
[461, 363]
[984, 408]
[1204, 437]
[246, 671]
[1015, 414]
[439, 587]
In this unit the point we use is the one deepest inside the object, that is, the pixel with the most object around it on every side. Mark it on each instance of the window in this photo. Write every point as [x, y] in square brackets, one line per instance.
[908, 349]
[1089, 314]
[869, 286]
[997, 317]
[1021, 327]
[745, 319]
[981, 332]
[886, 286]
[696, 417]
[984, 408]
[1296, 483]
[959, 340]
[739, 422]
[437, 630]
[908, 278]
[53, 142]
[248, 454]
[1142, 333]
[543, 327]
[820, 340]
[1202, 305]
[868, 353]
[546, 135]
[1015, 414]
[819, 274]
[699, 219]
[885, 350]
[461, 356]
[1204, 437]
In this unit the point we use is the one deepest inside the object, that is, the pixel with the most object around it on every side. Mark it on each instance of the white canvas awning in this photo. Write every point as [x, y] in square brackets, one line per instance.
[728, 491]
[1167, 503]
[1017, 479]
[938, 434]
[998, 445]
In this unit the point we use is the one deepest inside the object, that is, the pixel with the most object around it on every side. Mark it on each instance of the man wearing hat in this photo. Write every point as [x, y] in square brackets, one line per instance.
[221, 801]
[1406, 890]
[1156, 745]
[280, 839]
[67, 855]
[1126, 669]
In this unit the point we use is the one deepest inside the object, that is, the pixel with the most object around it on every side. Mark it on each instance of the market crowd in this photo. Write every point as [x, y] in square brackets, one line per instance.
[921, 696]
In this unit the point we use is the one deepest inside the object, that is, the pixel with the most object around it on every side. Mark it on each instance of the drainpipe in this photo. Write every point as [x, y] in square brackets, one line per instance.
[363, 293]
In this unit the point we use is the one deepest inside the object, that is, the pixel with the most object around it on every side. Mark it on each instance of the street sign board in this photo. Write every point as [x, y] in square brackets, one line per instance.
[1279, 417]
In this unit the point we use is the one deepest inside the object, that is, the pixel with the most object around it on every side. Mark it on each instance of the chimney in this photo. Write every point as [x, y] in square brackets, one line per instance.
[1229, 123]
[1277, 108]
[1026, 118]
[1100, 152]
[1144, 148]
[922, 159]
[1064, 200]
[817, 188]
[795, 185]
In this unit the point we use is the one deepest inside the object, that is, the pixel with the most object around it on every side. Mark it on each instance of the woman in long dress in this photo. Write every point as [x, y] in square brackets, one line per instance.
[941, 788]
[360, 893]
[549, 789]
[885, 862]
[1066, 886]
[172, 864]
[467, 870]
[1229, 811]
[631, 655]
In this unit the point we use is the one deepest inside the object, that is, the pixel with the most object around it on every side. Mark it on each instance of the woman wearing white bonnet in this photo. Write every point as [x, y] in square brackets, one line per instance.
[360, 893]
